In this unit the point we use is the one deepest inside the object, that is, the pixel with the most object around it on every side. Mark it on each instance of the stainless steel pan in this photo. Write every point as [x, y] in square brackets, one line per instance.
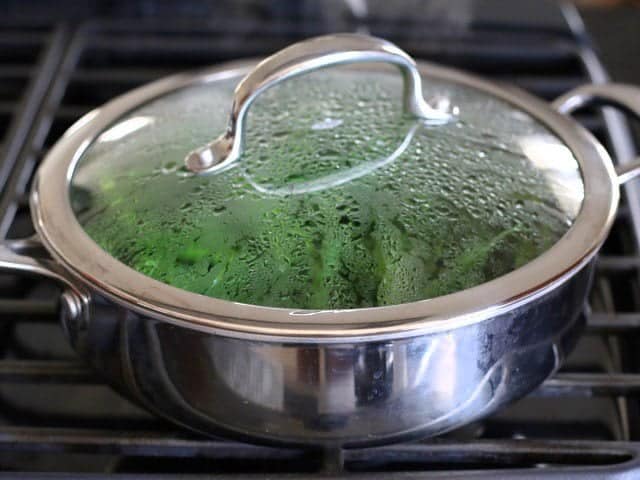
[347, 377]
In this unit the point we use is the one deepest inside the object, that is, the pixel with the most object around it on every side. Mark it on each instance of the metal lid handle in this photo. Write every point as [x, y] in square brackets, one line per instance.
[626, 97]
[295, 60]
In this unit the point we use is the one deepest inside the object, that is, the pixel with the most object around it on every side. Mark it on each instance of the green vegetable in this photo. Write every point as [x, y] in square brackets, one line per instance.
[462, 205]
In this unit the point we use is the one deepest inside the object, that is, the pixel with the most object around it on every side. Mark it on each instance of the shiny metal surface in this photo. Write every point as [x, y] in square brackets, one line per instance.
[352, 377]
[626, 97]
[351, 393]
[300, 58]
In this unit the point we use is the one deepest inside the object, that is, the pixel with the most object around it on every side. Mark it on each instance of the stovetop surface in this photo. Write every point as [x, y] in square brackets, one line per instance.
[57, 416]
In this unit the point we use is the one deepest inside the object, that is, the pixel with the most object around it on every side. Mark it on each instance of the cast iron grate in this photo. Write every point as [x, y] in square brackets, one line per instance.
[56, 416]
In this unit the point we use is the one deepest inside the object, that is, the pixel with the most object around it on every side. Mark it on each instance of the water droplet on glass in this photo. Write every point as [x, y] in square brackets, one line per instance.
[327, 124]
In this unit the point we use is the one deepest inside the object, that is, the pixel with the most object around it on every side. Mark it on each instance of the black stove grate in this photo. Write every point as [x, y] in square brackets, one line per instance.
[57, 416]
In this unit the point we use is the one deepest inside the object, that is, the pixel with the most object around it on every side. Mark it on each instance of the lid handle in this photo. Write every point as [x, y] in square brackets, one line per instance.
[299, 58]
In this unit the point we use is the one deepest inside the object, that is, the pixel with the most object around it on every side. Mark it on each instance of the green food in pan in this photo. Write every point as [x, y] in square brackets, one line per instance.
[339, 201]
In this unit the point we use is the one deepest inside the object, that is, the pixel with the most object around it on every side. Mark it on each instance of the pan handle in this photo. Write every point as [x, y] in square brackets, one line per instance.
[30, 257]
[300, 58]
[625, 97]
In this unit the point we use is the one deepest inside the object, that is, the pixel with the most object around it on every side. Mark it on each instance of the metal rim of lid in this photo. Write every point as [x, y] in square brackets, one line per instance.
[68, 243]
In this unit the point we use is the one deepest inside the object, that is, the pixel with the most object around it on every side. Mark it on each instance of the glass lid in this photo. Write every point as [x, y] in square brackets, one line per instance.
[338, 196]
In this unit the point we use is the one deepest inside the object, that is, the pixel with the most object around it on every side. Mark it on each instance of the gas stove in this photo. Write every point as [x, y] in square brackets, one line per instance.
[59, 61]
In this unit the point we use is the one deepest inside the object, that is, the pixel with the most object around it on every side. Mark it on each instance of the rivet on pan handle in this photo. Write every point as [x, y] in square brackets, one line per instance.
[626, 97]
[304, 57]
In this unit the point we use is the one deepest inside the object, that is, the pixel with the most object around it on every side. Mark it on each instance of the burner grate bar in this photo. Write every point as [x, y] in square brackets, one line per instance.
[26, 115]
[23, 38]
[127, 443]
[591, 384]
[229, 26]
[614, 323]
[123, 44]
[37, 308]
[493, 452]
[618, 263]
[46, 371]
[119, 75]
[516, 452]
[15, 71]
[7, 108]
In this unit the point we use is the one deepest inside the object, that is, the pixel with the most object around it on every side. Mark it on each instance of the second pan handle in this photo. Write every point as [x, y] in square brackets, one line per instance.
[625, 97]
